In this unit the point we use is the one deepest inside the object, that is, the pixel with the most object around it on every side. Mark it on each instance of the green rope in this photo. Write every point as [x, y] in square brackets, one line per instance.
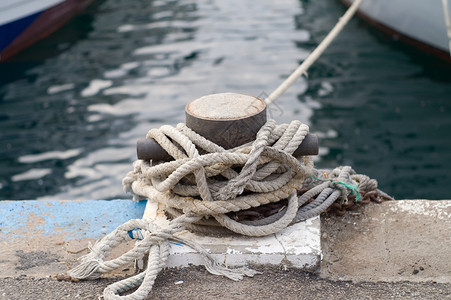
[353, 188]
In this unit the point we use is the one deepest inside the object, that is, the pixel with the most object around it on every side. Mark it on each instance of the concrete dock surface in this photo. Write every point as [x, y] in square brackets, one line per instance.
[274, 283]
[408, 240]
[393, 250]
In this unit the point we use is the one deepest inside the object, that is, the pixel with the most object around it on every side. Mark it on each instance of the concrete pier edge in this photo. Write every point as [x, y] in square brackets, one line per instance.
[407, 240]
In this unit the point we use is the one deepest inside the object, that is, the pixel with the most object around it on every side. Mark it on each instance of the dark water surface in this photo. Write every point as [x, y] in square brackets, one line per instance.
[73, 106]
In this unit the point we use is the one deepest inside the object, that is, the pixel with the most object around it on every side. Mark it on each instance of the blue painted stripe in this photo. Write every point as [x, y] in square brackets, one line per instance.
[67, 219]
[10, 31]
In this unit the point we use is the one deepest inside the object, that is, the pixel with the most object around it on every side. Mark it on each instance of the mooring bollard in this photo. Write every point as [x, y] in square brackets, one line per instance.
[227, 119]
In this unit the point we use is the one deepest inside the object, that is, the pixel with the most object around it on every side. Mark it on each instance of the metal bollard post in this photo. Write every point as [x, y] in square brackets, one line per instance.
[227, 119]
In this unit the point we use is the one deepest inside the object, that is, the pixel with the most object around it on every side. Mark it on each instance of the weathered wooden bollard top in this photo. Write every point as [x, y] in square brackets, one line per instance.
[227, 119]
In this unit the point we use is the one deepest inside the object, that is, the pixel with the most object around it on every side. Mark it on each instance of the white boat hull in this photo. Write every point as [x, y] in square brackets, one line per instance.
[422, 21]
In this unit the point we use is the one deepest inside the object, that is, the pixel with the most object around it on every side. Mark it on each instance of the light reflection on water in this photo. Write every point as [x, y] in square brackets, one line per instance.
[72, 117]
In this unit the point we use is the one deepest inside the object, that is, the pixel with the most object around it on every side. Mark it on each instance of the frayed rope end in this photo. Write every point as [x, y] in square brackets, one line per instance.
[86, 270]
[237, 274]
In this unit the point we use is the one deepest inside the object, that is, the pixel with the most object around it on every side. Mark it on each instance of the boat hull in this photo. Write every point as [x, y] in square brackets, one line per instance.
[419, 23]
[23, 24]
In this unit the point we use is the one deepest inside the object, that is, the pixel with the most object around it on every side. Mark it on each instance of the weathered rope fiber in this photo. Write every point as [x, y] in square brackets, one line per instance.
[209, 184]
[152, 242]
[203, 184]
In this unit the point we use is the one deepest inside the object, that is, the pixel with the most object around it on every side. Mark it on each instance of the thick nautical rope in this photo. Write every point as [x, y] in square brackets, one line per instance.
[208, 185]
[205, 182]
[153, 243]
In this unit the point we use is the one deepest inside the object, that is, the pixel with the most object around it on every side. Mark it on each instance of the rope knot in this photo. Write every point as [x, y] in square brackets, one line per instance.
[345, 188]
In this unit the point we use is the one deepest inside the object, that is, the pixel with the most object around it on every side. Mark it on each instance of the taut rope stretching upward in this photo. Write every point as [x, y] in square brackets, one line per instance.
[302, 69]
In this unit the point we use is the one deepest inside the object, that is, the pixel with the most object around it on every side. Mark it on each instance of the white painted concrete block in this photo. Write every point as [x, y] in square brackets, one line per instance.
[297, 246]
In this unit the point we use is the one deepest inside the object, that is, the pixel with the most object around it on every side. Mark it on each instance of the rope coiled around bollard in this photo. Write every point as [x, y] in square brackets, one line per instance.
[203, 184]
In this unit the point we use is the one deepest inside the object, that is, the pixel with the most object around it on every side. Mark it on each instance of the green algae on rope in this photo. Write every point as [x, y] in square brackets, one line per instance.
[353, 188]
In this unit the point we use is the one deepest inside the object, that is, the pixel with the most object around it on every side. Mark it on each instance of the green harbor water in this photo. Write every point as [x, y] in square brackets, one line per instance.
[73, 105]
